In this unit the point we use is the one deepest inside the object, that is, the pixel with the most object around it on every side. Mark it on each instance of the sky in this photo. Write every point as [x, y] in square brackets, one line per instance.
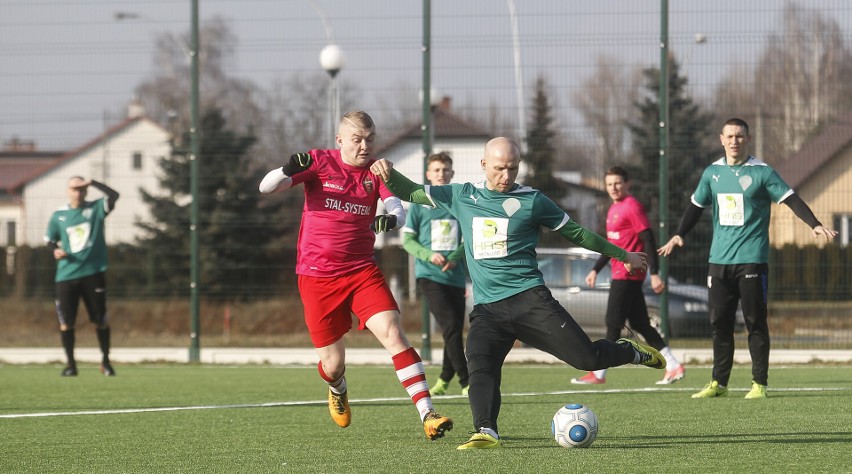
[69, 67]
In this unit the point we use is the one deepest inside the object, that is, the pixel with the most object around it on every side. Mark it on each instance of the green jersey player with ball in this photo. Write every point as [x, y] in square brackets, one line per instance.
[501, 221]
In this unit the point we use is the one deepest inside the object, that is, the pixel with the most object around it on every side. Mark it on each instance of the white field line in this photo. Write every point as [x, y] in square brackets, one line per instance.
[123, 411]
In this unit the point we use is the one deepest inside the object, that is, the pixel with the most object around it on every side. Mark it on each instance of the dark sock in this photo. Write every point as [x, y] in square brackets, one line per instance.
[68, 345]
[103, 340]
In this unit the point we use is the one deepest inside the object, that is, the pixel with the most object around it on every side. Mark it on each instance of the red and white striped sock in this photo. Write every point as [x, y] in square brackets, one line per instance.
[409, 371]
[337, 386]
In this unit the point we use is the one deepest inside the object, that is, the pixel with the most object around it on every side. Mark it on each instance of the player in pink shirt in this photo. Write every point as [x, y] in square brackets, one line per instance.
[336, 265]
[627, 226]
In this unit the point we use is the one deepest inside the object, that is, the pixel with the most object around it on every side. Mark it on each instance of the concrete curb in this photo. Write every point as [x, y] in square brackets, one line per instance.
[307, 356]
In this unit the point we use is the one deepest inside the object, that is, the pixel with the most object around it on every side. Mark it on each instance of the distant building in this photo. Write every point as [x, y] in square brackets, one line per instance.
[125, 157]
[18, 160]
[821, 174]
[463, 141]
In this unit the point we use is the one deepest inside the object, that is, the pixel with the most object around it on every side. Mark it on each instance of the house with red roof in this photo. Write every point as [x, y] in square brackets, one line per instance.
[18, 160]
[125, 157]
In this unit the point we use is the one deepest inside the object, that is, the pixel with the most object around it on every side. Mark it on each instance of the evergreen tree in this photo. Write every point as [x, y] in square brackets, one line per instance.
[541, 150]
[235, 237]
[541, 155]
[693, 144]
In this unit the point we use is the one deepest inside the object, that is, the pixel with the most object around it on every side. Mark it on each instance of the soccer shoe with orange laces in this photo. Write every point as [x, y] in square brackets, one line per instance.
[338, 407]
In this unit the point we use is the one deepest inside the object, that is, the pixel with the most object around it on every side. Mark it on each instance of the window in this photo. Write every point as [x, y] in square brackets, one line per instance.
[842, 224]
[10, 233]
[137, 160]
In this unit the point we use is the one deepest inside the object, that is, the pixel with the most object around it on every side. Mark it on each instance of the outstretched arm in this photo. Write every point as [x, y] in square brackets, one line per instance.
[804, 213]
[592, 241]
[690, 217]
[398, 184]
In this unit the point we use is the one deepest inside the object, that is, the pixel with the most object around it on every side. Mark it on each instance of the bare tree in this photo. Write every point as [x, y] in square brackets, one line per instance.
[296, 123]
[802, 80]
[806, 60]
[605, 102]
[165, 94]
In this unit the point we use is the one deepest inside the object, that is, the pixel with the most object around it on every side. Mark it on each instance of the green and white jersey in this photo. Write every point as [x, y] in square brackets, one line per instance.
[437, 230]
[80, 232]
[741, 198]
[500, 233]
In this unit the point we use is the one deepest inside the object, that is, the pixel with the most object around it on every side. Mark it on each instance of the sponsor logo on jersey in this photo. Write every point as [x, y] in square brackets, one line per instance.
[473, 198]
[332, 186]
[489, 228]
[716, 178]
[348, 207]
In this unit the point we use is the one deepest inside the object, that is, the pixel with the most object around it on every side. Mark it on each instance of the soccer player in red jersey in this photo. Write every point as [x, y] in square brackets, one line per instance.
[627, 226]
[336, 265]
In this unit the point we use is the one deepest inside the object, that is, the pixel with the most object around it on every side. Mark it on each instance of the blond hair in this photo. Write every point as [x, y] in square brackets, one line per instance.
[359, 120]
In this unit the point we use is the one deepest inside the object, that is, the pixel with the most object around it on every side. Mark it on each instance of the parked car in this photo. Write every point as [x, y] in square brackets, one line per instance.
[565, 271]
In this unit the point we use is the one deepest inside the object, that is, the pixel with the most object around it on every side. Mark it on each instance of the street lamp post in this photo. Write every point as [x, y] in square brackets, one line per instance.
[332, 60]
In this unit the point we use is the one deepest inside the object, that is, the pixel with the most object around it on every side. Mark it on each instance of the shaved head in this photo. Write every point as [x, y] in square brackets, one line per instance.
[501, 162]
[76, 182]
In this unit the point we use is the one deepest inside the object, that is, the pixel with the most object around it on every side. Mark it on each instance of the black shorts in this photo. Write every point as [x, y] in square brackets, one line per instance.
[92, 289]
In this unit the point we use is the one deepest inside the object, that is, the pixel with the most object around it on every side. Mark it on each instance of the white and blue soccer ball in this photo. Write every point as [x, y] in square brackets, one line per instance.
[574, 426]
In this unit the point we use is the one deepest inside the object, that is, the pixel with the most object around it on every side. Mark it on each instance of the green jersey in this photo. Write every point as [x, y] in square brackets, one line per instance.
[741, 198]
[500, 233]
[438, 231]
[80, 232]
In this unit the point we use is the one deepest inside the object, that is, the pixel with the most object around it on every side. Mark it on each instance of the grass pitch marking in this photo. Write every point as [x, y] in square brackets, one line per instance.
[123, 411]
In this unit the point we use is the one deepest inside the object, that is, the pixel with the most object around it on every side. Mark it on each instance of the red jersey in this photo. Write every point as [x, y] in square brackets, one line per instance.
[624, 221]
[340, 204]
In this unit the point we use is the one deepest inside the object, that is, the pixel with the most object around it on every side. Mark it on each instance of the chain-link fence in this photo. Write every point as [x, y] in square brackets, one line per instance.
[586, 73]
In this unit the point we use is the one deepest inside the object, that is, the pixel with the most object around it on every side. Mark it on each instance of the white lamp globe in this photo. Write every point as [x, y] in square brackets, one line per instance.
[331, 59]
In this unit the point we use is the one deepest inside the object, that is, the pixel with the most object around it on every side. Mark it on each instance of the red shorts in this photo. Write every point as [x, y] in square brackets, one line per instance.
[330, 302]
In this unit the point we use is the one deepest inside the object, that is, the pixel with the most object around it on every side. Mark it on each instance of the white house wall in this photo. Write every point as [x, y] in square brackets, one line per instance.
[111, 162]
[10, 212]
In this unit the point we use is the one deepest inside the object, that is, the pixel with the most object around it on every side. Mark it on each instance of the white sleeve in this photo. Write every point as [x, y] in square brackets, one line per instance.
[274, 181]
[394, 207]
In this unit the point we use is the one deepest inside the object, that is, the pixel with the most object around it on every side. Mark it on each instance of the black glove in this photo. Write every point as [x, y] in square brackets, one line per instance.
[383, 223]
[298, 162]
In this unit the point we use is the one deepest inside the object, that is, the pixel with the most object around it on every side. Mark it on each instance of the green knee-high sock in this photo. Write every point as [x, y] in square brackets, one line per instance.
[103, 341]
[68, 345]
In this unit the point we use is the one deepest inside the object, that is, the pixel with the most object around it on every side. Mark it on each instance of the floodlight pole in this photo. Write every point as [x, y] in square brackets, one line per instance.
[519, 77]
[426, 129]
[194, 158]
[664, 163]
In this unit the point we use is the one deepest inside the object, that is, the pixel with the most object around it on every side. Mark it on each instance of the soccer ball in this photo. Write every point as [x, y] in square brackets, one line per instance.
[574, 426]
